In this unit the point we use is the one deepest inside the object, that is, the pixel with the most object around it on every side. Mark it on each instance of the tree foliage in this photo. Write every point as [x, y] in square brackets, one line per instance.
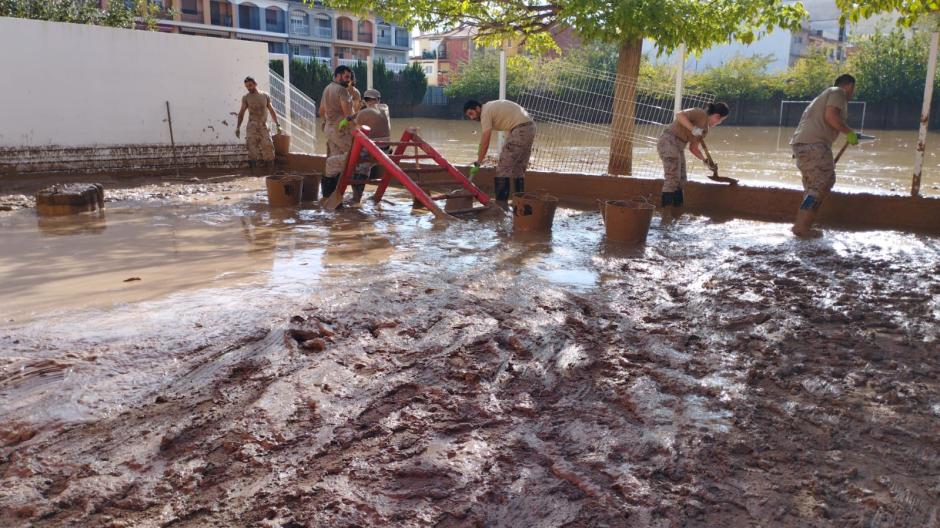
[890, 66]
[809, 76]
[911, 11]
[479, 78]
[117, 14]
[738, 78]
[699, 25]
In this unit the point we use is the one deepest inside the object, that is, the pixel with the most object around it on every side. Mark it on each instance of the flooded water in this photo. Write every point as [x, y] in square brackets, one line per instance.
[374, 367]
[752, 154]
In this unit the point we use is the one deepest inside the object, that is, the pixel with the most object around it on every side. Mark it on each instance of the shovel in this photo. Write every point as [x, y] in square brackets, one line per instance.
[861, 137]
[714, 168]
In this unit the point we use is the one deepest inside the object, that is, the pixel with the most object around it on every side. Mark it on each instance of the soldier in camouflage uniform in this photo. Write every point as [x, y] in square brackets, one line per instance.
[819, 126]
[504, 116]
[257, 137]
[689, 129]
[336, 107]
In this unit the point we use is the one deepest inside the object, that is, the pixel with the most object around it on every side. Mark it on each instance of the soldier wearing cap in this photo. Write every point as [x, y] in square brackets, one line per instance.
[375, 116]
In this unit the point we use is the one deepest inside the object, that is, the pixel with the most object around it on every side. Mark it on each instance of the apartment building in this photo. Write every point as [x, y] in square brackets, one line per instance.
[441, 55]
[306, 32]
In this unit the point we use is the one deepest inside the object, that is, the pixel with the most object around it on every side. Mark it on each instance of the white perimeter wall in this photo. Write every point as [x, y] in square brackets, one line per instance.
[76, 85]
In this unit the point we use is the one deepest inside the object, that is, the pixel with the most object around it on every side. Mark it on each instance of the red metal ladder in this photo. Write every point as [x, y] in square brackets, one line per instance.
[394, 170]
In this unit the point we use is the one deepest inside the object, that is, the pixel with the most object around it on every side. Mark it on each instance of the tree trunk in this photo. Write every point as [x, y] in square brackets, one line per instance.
[623, 122]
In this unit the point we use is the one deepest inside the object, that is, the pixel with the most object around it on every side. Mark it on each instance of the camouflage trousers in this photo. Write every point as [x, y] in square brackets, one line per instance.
[338, 144]
[819, 172]
[258, 140]
[514, 158]
[671, 150]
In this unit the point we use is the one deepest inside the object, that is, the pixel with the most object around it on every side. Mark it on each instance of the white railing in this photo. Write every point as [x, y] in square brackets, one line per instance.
[303, 115]
[309, 58]
[395, 67]
[349, 62]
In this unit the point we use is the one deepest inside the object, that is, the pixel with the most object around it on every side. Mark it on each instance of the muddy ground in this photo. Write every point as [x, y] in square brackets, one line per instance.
[722, 375]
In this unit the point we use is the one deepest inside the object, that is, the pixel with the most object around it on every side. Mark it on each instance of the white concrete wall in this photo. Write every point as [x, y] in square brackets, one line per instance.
[71, 85]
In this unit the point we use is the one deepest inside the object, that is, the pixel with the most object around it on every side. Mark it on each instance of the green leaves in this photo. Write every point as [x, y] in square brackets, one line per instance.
[911, 11]
[697, 24]
[890, 66]
[406, 88]
[85, 12]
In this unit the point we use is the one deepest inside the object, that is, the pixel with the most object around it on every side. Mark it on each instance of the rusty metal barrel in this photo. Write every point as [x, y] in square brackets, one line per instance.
[627, 220]
[284, 190]
[533, 212]
[70, 199]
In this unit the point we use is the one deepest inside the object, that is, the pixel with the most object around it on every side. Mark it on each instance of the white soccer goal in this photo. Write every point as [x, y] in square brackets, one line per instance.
[573, 107]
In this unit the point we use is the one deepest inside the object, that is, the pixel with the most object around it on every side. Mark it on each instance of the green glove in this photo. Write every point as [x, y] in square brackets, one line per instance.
[474, 170]
[852, 138]
[344, 123]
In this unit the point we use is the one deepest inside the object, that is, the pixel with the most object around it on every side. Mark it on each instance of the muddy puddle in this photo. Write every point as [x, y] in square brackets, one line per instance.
[373, 367]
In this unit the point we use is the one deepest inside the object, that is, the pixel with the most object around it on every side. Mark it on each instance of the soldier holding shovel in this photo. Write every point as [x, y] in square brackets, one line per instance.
[689, 129]
[820, 125]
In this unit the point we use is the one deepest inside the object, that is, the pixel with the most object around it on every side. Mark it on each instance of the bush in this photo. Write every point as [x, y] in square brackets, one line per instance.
[890, 66]
[311, 77]
[809, 76]
[739, 78]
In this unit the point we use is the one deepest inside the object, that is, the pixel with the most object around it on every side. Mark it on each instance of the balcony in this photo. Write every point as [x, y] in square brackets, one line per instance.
[195, 18]
[249, 17]
[308, 58]
[365, 37]
[349, 62]
[383, 40]
[302, 30]
[401, 38]
[344, 34]
[395, 67]
[326, 32]
[274, 20]
[220, 14]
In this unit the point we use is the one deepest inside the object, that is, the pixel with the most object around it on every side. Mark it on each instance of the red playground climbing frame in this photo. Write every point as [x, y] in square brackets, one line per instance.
[393, 169]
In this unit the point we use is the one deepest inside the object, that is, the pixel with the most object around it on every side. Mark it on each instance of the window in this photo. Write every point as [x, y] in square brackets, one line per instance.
[298, 23]
[189, 7]
[428, 69]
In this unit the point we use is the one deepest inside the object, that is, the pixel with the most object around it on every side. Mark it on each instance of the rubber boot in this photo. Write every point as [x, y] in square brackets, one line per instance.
[803, 225]
[328, 185]
[501, 188]
[518, 185]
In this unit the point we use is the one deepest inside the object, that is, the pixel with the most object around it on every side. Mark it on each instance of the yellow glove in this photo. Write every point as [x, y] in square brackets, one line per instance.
[474, 170]
[852, 138]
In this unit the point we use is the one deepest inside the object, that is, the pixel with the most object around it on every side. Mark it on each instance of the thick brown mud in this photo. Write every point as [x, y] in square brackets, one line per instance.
[381, 369]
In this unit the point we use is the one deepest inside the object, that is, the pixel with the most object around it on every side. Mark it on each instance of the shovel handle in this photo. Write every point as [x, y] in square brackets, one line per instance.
[841, 151]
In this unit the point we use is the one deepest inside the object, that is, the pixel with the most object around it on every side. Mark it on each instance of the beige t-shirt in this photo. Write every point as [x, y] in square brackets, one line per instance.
[503, 116]
[331, 101]
[813, 127]
[697, 116]
[257, 106]
[377, 119]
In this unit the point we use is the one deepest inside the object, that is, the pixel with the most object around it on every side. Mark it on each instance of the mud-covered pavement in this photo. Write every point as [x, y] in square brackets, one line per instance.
[373, 368]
